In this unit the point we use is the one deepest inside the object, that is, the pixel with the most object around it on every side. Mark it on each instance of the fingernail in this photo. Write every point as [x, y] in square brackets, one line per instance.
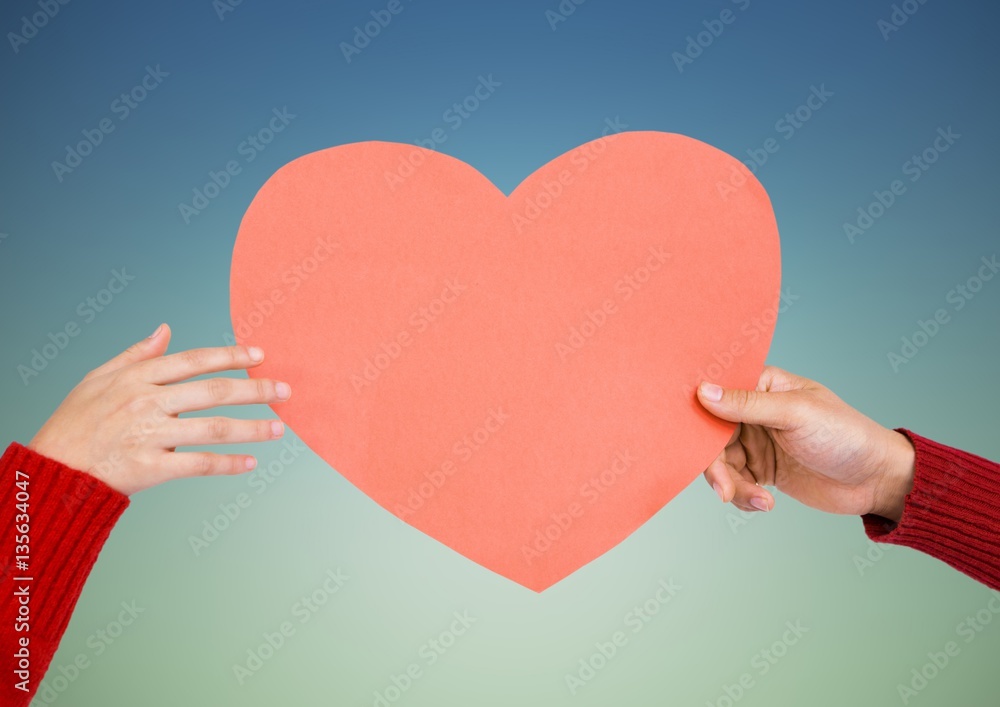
[759, 503]
[277, 429]
[283, 390]
[718, 491]
[711, 392]
[158, 330]
[251, 462]
[256, 353]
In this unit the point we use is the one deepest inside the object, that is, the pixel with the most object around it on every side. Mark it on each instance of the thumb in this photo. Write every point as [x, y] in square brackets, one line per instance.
[151, 347]
[778, 410]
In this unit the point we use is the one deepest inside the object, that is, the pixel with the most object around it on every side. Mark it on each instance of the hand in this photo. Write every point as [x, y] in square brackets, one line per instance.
[798, 436]
[121, 422]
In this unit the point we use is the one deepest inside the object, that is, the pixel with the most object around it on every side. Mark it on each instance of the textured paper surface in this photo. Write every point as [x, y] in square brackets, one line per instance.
[513, 376]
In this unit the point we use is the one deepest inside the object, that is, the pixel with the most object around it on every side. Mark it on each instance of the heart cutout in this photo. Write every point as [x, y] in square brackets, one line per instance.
[513, 376]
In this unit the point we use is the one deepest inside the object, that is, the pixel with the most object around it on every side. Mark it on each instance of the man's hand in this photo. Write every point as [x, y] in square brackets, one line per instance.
[798, 436]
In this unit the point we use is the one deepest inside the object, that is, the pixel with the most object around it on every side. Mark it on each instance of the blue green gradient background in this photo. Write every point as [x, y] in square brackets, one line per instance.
[741, 582]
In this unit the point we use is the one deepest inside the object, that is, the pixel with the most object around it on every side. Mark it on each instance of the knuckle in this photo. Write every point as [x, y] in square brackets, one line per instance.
[123, 377]
[149, 425]
[155, 409]
[219, 389]
[264, 388]
[773, 372]
[798, 407]
[203, 465]
[741, 499]
[132, 440]
[168, 403]
[87, 388]
[218, 428]
[767, 378]
[194, 358]
[137, 405]
[740, 399]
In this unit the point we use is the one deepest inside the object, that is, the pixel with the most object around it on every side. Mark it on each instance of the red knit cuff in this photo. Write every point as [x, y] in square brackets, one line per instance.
[71, 514]
[952, 513]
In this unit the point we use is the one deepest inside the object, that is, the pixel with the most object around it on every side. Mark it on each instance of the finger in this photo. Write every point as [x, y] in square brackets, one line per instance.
[778, 410]
[735, 455]
[213, 392]
[717, 476]
[193, 431]
[759, 452]
[195, 362]
[746, 474]
[152, 346]
[719, 473]
[737, 486]
[778, 380]
[186, 464]
[749, 496]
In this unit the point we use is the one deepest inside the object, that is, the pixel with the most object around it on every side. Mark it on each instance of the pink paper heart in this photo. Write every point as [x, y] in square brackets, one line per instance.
[514, 376]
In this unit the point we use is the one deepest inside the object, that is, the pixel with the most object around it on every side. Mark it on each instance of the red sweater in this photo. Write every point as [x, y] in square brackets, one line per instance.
[952, 513]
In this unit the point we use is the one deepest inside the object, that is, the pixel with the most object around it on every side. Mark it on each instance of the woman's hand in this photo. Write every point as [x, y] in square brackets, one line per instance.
[121, 422]
[798, 436]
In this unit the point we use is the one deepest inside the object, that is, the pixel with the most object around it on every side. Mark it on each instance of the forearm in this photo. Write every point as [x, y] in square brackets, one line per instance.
[951, 510]
[896, 480]
[55, 521]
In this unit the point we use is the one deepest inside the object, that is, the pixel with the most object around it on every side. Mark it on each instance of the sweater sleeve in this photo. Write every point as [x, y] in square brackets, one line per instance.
[54, 520]
[952, 513]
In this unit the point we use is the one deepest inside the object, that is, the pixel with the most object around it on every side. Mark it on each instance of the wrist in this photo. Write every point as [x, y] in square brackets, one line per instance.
[895, 480]
[40, 444]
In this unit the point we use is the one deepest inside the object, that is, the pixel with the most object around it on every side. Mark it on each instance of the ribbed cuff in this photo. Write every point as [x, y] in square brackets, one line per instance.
[952, 513]
[71, 514]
